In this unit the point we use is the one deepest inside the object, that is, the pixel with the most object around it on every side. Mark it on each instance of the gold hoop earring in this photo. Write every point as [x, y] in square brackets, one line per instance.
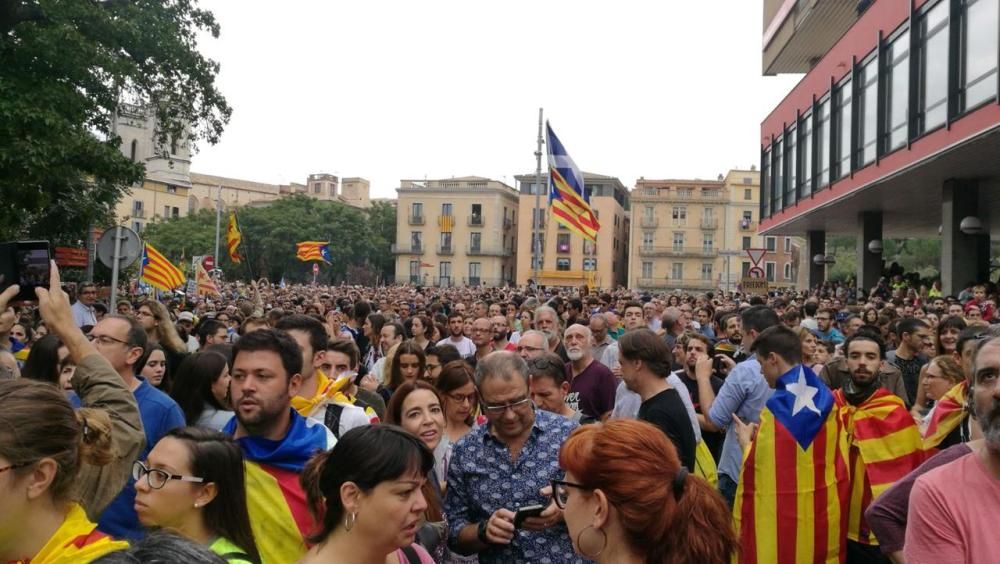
[579, 545]
[349, 522]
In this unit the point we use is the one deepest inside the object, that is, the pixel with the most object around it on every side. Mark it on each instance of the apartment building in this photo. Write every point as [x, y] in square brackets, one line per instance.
[567, 259]
[456, 232]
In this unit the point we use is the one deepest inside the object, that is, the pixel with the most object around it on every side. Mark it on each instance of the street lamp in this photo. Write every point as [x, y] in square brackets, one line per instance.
[875, 246]
[821, 260]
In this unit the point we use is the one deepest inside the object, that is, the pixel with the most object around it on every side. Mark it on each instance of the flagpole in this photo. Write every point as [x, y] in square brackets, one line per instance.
[536, 219]
[218, 217]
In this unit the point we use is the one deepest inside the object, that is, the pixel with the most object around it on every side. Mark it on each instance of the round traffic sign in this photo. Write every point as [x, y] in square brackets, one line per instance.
[208, 262]
[315, 268]
[756, 272]
[129, 249]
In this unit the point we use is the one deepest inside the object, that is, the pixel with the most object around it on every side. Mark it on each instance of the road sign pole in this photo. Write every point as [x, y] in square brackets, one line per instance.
[116, 260]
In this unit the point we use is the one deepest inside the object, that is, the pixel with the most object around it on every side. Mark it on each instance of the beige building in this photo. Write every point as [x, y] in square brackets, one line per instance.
[456, 232]
[235, 193]
[567, 259]
[693, 235]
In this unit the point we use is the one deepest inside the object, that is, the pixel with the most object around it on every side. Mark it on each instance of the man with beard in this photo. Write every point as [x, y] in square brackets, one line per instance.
[276, 441]
[457, 339]
[482, 338]
[500, 333]
[731, 343]
[914, 336]
[592, 385]
[953, 507]
[883, 440]
[837, 372]
[699, 348]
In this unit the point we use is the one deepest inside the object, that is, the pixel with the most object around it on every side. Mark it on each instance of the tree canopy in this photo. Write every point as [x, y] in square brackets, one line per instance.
[359, 246]
[65, 67]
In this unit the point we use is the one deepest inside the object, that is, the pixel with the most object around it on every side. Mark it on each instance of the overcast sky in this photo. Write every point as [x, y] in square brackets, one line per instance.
[412, 89]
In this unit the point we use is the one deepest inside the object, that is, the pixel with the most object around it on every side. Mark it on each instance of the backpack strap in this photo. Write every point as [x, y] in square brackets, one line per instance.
[411, 555]
[332, 418]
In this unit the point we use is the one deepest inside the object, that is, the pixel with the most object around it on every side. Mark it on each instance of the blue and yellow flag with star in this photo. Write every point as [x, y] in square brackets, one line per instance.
[794, 484]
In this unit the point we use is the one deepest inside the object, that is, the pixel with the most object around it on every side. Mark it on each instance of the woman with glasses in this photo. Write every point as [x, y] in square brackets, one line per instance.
[192, 483]
[627, 499]
[366, 493]
[44, 444]
[457, 386]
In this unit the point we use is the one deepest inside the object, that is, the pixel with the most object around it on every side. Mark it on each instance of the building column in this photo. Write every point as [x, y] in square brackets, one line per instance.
[869, 263]
[816, 245]
[965, 257]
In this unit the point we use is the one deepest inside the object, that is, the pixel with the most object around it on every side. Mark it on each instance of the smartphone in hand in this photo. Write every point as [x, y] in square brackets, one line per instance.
[525, 512]
[25, 263]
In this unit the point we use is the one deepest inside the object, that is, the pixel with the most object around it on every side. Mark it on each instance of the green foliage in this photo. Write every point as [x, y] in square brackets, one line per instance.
[65, 66]
[357, 239]
[922, 256]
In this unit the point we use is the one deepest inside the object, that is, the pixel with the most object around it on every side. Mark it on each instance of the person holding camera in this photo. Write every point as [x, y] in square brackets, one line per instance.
[700, 356]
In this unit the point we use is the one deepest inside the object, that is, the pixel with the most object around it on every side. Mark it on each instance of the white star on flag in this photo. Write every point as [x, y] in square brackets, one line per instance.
[804, 394]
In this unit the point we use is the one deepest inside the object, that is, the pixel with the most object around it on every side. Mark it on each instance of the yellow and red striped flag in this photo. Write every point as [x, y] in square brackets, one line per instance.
[884, 445]
[949, 413]
[794, 480]
[159, 272]
[233, 239]
[568, 196]
[313, 250]
[76, 540]
[204, 285]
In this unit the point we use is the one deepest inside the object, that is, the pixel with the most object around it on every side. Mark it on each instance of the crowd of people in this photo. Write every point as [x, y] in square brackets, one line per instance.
[405, 424]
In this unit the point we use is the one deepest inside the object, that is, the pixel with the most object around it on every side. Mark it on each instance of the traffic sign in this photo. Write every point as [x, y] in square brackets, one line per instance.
[754, 286]
[756, 255]
[208, 262]
[315, 268]
[755, 272]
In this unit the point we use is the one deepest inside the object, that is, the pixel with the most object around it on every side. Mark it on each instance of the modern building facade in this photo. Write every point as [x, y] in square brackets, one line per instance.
[567, 259]
[456, 232]
[892, 133]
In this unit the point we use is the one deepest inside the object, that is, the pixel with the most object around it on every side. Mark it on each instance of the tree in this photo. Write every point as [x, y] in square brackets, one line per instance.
[65, 67]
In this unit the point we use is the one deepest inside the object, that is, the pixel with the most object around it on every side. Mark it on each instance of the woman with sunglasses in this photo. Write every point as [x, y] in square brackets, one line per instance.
[192, 483]
[627, 499]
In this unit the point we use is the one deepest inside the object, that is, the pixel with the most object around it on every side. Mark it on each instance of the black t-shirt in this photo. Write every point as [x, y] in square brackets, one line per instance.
[910, 368]
[666, 411]
[713, 440]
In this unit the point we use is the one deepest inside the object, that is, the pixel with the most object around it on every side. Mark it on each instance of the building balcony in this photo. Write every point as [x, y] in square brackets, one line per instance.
[709, 223]
[748, 225]
[480, 251]
[407, 250]
[508, 224]
[650, 222]
[475, 221]
[446, 223]
[417, 219]
[679, 252]
[800, 32]
[445, 250]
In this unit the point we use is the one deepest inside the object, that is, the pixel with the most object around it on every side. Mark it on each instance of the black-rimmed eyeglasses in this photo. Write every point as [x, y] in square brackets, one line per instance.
[157, 478]
[560, 491]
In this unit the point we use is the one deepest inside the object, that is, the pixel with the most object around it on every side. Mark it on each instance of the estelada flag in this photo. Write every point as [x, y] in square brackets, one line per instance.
[233, 239]
[884, 445]
[568, 197]
[793, 484]
[159, 272]
[313, 250]
[204, 285]
[76, 540]
[949, 414]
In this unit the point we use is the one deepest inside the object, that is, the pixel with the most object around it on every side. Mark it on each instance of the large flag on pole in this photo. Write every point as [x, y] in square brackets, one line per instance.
[159, 272]
[313, 250]
[793, 487]
[568, 199]
[233, 239]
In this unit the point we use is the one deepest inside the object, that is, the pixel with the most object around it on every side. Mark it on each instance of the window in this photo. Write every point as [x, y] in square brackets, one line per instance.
[769, 271]
[747, 194]
[647, 239]
[475, 273]
[444, 273]
[589, 264]
[765, 185]
[477, 214]
[562, 264]
[446, 209]
[706, 271]
[978, 70]
[708, 214]
[843, 125]
[678, 241]
[317, 188]
[770, 243]
[788, 244]
[805, 156]
[932, 86]
[746, 243]
[414, 271]
[137, 226]
[679, 215]
[788, 271]
[417, 209]
[446, 241]
[707, 242]
[134, 150]
[745, 269]
[711, 192]
[175, 212]
[897, 89]
[539, 240]
[778, 192]
[171, 189]
[589, 247]
[677, 271]
[647, 270]
[685, 192]
[166, 212]
[747, 217]
[416, 240]
[823, 144]
[867, 112]
[747, 180]
[562, 243]
[475, 241]
[791, 183]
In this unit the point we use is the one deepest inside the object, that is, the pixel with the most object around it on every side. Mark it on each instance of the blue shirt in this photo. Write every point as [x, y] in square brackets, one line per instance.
[833, 335]
[482, 478]
[159, 414]
[745, 392]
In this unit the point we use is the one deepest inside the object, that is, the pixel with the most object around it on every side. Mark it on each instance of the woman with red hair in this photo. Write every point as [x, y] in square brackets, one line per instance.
[627, 499]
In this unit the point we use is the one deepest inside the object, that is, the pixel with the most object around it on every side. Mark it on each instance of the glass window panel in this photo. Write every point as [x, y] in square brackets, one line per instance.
[805, 154]
[791, 184]
[979, 64]
[779, 177]
[823, 143]
[897, 90]
[765, 185]
[933, 86]
[868, 113]
[844, 119]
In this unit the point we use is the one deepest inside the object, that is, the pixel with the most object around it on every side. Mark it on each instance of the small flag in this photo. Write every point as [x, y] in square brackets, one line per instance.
[949, 414]
[233, 239]
[313, 250]
[159, 272]
[205, 285]
[568, 197]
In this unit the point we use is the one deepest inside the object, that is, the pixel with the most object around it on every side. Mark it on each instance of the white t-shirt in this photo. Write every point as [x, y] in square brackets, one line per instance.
[464, 346]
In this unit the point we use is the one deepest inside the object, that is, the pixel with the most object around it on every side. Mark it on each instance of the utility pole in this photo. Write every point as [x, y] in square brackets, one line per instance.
[537, 219]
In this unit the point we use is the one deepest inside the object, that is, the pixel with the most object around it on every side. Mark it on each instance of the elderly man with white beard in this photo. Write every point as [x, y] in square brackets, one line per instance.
[592, 385]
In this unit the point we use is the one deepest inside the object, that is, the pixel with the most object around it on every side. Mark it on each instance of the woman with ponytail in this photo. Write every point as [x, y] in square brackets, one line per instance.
[627, 499]
[43, 443]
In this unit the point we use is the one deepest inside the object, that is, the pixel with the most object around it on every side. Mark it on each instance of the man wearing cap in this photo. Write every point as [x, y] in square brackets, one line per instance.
[185, 322]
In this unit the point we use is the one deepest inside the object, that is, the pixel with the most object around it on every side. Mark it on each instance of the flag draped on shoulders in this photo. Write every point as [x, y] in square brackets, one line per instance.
[949, 413]
[568, 198]
[159, 272]
[279, 513]
[313, 250]
[233, 239]
[884, 445]
[794, 478]
[76, 540]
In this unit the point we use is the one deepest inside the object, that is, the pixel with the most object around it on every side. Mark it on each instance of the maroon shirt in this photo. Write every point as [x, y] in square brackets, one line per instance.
[592, 392]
